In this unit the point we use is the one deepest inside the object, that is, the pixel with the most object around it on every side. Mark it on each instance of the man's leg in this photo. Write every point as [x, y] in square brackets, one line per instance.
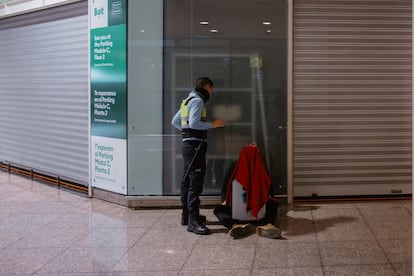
[187, 152]
[196, 175]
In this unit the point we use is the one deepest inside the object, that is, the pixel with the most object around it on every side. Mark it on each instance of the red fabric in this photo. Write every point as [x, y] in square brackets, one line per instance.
[251, 173]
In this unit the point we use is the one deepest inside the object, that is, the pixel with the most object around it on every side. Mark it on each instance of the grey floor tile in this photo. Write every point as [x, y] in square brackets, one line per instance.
[49, 231]
[408, 204]
[360, 270]
[397, 251]
[107, 209]
[10, 236]
[133, 219]
[23, 261]
[385, 213]
[375, 203]
[293, 271]
[350, 231]
[6, 187]
[297, 229]
[236, 257]
[8, 197]
[4, 216]
[14, 207]
[84, 259]
[171, 236]
[279, 253]
[217, 272]
[101, 237]
[27, 196]
[352, 253]
[50, 207]
[153, 259]
[81, 220]
[26, 221]
[337, 215]
[49, 236]
[171, 218]
[297, 213]
[74, 274]
[404, 269]
[14, 180]
[328, 204]
[297, 224]
[392, 230]
[220, 236]
[143, 273]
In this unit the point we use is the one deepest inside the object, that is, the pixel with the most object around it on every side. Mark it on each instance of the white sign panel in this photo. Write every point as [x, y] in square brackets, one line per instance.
[109, 168]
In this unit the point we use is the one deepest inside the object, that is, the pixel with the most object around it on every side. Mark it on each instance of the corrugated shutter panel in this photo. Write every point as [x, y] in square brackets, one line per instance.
[351, 96]
[44, 91]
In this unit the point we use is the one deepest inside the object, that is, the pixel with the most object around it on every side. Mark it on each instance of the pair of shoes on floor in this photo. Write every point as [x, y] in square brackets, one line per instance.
[242, 230]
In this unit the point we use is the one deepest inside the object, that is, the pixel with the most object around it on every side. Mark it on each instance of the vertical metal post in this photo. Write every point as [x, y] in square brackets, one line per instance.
[290, 105]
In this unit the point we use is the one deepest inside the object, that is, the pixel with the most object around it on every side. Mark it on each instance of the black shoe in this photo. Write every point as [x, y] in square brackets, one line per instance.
[197, 227]
[184, 219]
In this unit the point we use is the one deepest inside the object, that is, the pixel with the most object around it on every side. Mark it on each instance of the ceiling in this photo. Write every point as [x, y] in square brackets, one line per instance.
[230, 18]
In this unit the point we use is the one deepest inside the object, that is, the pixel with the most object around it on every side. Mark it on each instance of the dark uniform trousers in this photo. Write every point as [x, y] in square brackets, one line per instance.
[192, 185]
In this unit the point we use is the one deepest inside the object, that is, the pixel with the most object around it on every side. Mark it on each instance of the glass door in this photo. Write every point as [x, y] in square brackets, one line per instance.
[243, 49]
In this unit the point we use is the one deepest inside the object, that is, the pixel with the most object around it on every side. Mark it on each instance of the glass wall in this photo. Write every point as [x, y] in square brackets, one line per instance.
[242, 47]
[145, 94]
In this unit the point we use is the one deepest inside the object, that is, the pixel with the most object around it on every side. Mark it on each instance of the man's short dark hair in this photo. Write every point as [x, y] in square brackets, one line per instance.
[201, 82]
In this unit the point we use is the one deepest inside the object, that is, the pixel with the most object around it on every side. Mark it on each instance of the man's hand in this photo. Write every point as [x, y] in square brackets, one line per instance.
[217, 123]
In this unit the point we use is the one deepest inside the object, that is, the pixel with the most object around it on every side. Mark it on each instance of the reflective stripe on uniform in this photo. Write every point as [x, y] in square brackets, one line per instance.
[185, 113]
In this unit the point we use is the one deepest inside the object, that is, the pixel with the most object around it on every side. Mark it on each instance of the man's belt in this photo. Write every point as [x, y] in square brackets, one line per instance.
[194, 133]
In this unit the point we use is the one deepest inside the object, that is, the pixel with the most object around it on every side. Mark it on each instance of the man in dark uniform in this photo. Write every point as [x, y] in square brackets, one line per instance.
[191, 120]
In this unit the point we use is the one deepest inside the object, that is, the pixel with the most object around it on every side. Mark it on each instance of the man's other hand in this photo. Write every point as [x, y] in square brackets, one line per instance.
[217, 123]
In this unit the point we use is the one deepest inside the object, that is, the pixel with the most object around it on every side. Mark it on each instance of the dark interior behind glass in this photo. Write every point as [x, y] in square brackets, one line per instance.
[247, 60]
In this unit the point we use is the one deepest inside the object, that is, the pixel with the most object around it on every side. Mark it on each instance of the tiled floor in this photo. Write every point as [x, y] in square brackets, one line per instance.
[47, 231]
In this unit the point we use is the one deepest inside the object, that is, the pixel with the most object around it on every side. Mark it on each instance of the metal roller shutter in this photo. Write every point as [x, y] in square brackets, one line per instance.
[352, 97]
[44, 91]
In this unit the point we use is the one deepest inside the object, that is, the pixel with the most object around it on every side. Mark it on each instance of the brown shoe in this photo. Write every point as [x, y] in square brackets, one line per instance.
[268, 231]
[241, 230]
